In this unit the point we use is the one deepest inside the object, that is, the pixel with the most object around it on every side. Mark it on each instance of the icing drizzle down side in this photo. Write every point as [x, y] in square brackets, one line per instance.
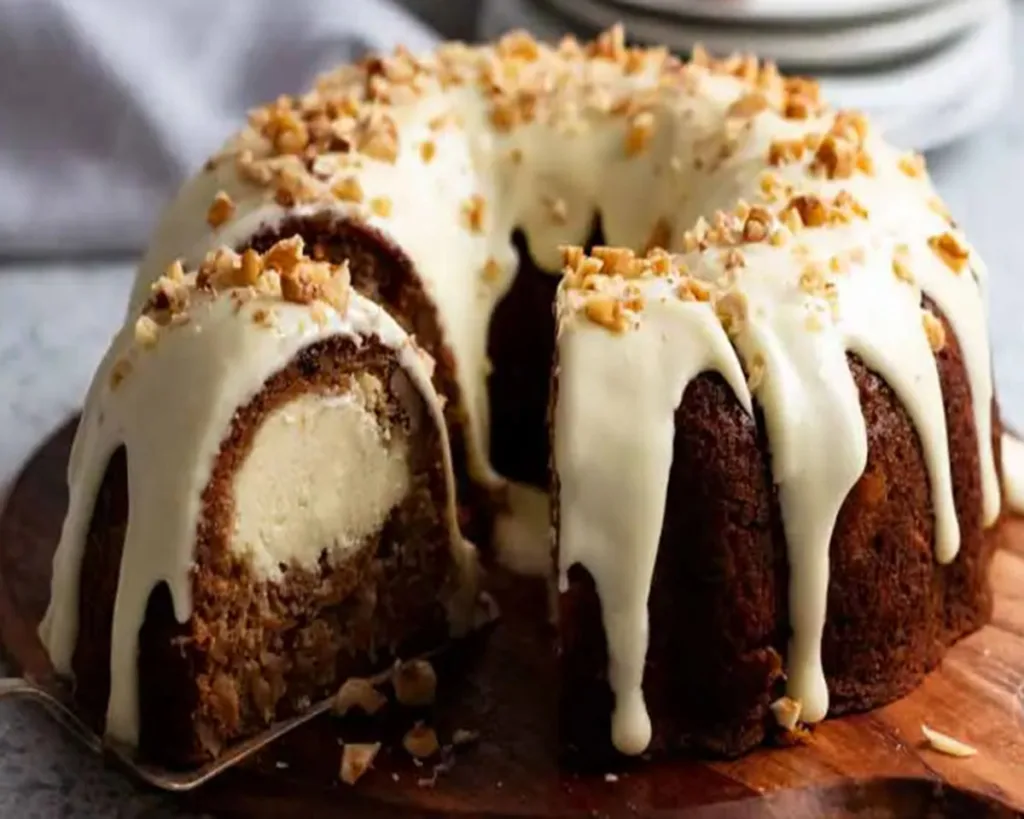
[224, 353]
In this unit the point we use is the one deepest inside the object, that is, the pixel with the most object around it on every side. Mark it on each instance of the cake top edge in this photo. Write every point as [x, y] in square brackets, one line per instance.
[284, 272]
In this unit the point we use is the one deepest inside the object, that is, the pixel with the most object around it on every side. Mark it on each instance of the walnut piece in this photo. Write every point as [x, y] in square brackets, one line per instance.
[358, 692]
[415, 683]
[356, 760]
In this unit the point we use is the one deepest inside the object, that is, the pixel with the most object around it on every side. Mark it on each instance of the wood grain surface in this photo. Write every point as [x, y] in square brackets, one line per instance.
[503, 685]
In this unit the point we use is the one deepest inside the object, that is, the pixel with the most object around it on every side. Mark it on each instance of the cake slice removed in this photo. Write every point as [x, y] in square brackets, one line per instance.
[261, 506]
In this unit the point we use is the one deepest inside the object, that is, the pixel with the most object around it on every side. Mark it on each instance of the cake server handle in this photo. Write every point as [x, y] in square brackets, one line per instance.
[23, 688]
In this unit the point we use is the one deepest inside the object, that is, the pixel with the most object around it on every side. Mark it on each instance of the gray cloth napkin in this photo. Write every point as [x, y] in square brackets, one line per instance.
[107, 105]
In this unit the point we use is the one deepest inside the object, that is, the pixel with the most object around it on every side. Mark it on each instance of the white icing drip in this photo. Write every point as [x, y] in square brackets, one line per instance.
[1013, 472]
[611, 519]
[171, 412]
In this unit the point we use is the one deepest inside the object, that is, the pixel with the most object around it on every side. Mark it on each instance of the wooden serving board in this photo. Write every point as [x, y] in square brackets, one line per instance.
[504, 687]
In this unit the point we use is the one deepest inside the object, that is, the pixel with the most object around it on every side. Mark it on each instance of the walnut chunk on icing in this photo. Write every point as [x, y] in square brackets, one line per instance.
[639, 133]
[221, 210]
[474, 211]
[607, 312]
[308, 281]
[934, 330]
[951, 250]
[421, 742]
[356, 760]
[146, 331]
[358, 692]
[348, 189]
[747, 106]
[732, 309]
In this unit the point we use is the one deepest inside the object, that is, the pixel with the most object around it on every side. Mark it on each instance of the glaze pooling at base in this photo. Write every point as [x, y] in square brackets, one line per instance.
[171, 404]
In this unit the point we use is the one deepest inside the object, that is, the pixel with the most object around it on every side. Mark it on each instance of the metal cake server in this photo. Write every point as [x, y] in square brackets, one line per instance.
[155, 775]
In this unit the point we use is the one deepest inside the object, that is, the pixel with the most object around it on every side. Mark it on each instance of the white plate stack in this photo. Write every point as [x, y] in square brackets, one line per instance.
[930, 71]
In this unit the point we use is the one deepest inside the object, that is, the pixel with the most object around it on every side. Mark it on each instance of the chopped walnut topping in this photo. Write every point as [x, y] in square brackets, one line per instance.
[356, 760]
[609, 45]
[945, 744]
[810, 209]
[639, 133]
[348, 189]
[951, 251]
[785, 152]
[756, 375]
[421, 741]
[934, 330]
[492, 270]
[358, 692]
[619, 261]
[936, 205]
[119, 372]
[758, 225]
[310, 281]
[607, 312]
[731, 309]
[381, 205]
[913, 165]
[802, 98]
[221, 210]
[902, 271]
[747, 106]
[474, 210]
[146, 331]
[428, 149]
[693, 290]
[263, 317]
[415, 683]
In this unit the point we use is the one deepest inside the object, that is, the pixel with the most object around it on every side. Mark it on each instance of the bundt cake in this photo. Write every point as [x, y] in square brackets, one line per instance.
[261, 506]
[773, 446]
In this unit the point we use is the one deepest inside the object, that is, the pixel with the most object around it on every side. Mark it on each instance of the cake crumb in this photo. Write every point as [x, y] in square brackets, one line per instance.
[358, 692]
[947, 745]
[428, 150]
[356, 760]
[420, 741]
[415, 683]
